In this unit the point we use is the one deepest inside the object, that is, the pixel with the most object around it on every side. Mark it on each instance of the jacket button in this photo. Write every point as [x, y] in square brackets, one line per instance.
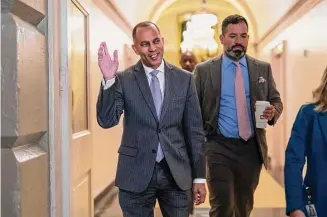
[159, 131]
[154, 151]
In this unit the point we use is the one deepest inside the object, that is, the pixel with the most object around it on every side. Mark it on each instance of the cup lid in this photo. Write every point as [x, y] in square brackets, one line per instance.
[262, 103]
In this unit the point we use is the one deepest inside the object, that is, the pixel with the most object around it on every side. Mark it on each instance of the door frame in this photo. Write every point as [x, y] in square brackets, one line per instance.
[279, 53]
[59, 120]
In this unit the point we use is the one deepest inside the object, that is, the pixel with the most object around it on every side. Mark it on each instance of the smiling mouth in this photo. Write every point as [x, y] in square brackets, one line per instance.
[154, 56]
[238, 47]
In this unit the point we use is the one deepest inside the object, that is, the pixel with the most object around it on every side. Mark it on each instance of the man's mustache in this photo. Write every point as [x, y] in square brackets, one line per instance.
[238, 45]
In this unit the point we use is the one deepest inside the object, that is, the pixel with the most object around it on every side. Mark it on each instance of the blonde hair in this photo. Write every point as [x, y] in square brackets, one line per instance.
[320, 94]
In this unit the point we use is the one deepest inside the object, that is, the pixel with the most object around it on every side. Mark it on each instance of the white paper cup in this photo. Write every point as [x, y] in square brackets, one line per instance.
[260, 106]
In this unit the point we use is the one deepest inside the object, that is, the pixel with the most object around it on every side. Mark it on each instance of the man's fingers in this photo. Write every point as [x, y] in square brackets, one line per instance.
[268, 117]
[199, 193]
[199, 196]
[103, 51]
[268, 111]
[100, 51]
[195, 194]
[203, 196]
[116, 56]
[196, 198]
[105, 48]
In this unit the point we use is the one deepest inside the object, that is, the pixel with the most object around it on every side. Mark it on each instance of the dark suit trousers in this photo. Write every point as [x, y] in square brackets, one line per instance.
[233, 170]
[173, 201]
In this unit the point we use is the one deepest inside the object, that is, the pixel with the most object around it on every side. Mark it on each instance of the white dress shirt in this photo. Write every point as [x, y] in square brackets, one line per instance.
[161, 77]
[148, 70]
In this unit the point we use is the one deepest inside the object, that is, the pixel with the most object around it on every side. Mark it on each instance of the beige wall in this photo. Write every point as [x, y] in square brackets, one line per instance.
[105, 142]
[306, 55]
[267, 13]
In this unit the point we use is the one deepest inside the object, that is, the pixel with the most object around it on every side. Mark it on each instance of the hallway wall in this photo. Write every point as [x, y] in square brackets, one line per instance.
[104, 26]
[306, 55]
[267, 13]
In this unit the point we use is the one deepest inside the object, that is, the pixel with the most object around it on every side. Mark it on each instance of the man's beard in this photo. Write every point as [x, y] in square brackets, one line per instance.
[188, 68]
[236, 54]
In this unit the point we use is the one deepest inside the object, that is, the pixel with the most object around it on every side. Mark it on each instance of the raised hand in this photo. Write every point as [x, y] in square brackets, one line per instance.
[107, 65]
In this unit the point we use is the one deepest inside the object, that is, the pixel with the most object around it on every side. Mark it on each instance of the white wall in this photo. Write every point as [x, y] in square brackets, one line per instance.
[268, 12]
[105, 142]
[306, 55]
[135, 10]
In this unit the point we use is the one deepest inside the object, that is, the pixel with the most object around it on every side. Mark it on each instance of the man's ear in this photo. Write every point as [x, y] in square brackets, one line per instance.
[135, 50]
[221, 37]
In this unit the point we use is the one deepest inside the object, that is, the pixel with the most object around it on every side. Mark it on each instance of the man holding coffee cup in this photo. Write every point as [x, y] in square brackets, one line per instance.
[238, 97]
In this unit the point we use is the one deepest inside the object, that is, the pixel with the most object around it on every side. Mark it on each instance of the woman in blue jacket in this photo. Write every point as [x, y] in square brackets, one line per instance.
[308, 142]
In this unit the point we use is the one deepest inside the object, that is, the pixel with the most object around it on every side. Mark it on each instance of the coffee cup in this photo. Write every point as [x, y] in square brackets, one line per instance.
[260, 106]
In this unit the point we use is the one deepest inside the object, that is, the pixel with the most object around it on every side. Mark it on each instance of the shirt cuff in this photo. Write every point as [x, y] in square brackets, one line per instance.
[107, 84]
[199, 181]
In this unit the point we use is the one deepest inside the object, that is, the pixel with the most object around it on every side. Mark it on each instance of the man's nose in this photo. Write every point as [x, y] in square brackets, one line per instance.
[238, 40]
[152, 47]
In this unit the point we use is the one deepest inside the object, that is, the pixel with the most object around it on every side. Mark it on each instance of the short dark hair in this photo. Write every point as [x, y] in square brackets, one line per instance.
[232, 19]
[143, 24]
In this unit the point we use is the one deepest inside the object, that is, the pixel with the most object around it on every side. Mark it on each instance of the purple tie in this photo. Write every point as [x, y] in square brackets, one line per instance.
[244, 127]
[157, 99]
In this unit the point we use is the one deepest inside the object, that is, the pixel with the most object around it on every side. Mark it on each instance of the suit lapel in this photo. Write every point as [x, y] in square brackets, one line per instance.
[143, 84]
[323, 125]
[168, 88]
[215, 72]
[253, 70]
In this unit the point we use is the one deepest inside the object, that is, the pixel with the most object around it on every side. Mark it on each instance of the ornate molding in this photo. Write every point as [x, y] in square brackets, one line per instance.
[300, 8]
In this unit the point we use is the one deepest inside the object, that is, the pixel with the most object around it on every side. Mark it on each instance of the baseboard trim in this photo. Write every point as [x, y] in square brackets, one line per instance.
[106, 191]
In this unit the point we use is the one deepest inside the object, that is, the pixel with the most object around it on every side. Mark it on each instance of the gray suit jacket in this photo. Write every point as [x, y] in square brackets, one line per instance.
[179, 128]
[262, 88]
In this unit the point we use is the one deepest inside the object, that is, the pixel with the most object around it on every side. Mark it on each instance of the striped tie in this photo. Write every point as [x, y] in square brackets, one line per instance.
[157, 99]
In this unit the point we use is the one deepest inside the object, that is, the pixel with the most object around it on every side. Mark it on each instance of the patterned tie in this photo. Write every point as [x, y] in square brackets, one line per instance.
[244, 127]
[157, 98]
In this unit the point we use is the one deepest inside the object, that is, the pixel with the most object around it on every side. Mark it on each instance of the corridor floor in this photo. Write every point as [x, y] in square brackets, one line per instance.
[269, 202]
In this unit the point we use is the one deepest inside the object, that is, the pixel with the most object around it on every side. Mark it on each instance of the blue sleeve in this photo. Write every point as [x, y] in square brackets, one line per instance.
[295, 160]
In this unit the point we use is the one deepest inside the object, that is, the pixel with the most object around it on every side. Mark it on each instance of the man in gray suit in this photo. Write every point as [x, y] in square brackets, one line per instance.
[228, 87]
[161, 154]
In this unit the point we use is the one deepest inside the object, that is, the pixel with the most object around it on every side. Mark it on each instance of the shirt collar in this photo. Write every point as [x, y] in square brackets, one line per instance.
[148, 70]
[227, 61]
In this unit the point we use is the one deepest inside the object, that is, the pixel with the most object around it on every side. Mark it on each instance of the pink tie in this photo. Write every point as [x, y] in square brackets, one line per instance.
[244, 127]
